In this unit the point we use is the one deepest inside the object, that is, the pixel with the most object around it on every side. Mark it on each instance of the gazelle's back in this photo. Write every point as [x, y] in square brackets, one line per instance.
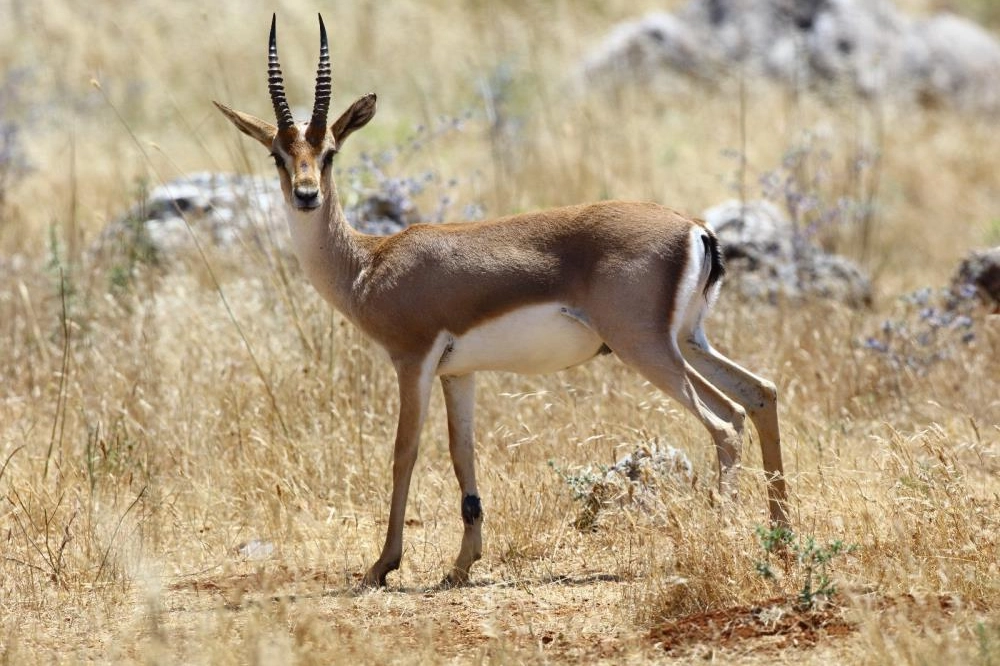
[456, 277]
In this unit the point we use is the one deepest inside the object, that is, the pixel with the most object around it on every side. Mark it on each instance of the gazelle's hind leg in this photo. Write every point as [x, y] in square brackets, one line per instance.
[758, 397]
[460, 402]
[660, 361]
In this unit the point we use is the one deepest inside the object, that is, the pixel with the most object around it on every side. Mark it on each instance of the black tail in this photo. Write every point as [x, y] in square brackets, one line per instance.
[714, 254]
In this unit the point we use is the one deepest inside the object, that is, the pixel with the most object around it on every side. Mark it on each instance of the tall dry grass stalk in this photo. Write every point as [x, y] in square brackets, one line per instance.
[147, 433]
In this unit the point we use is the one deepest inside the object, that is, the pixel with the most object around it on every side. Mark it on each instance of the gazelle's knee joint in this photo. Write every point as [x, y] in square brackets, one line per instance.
[766, 398]
[770, 390]
[472, 509]
[737, 418]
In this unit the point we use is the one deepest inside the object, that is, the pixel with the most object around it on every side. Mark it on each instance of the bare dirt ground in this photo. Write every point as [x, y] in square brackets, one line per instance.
[562, 619]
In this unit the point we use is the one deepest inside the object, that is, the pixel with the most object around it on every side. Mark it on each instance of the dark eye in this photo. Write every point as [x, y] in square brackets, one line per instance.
[277, 159]
[328, 158]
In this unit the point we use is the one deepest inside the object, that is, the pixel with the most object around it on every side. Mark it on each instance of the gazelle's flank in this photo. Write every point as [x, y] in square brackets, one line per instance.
[530, 293]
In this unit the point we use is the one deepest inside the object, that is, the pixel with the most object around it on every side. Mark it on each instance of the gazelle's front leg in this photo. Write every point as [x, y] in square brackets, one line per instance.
[414, 389]
[460, 401]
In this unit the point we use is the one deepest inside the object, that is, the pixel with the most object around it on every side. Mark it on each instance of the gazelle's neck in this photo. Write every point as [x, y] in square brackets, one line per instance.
[329, 250]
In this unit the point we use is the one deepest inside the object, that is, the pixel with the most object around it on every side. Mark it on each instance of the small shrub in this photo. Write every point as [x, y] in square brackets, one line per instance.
[811, 560]
[634, 480]
[827, 204]
[378, 202]
[928, 326]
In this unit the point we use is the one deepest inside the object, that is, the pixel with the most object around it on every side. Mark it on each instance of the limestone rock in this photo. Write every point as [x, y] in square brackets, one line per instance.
[979, 272]
[868, 47]
[226, 210]
[768, 259]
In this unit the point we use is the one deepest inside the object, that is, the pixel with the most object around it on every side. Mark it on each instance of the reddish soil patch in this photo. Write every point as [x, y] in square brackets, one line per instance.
[776, 623]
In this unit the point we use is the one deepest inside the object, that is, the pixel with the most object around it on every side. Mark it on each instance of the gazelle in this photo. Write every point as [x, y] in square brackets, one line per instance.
[530, 293]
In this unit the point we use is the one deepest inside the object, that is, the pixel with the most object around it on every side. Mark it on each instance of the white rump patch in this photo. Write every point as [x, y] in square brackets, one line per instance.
[690, 304]
[531, 340]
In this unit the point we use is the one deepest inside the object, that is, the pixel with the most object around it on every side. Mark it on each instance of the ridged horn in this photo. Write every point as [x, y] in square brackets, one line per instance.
[321, 105]
[276, 84]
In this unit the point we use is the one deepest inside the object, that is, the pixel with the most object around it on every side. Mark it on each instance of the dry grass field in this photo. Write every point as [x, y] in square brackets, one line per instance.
[195, 461]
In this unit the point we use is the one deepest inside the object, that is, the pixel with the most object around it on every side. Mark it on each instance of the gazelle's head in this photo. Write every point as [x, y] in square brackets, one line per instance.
[303, 153]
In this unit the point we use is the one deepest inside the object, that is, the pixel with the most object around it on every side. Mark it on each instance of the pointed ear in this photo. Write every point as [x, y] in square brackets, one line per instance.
[253, 127]
[356, 117]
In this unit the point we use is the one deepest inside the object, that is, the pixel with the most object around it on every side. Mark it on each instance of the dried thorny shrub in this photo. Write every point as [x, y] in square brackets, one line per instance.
[928, 327]
[635, 482]
[830, 198]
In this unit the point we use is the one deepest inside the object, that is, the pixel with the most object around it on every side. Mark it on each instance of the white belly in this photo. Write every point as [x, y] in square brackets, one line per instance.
[531, 340]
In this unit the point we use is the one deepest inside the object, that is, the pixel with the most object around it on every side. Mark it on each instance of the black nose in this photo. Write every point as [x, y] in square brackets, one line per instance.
[307, 197]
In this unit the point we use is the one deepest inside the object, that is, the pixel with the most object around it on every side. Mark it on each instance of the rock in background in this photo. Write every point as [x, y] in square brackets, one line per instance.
[226, 210]
[866, 46]
[979, 274]
[221, 209]
[768, 259]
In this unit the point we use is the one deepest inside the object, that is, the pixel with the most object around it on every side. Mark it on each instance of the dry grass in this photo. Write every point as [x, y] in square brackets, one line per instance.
[143, 438]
